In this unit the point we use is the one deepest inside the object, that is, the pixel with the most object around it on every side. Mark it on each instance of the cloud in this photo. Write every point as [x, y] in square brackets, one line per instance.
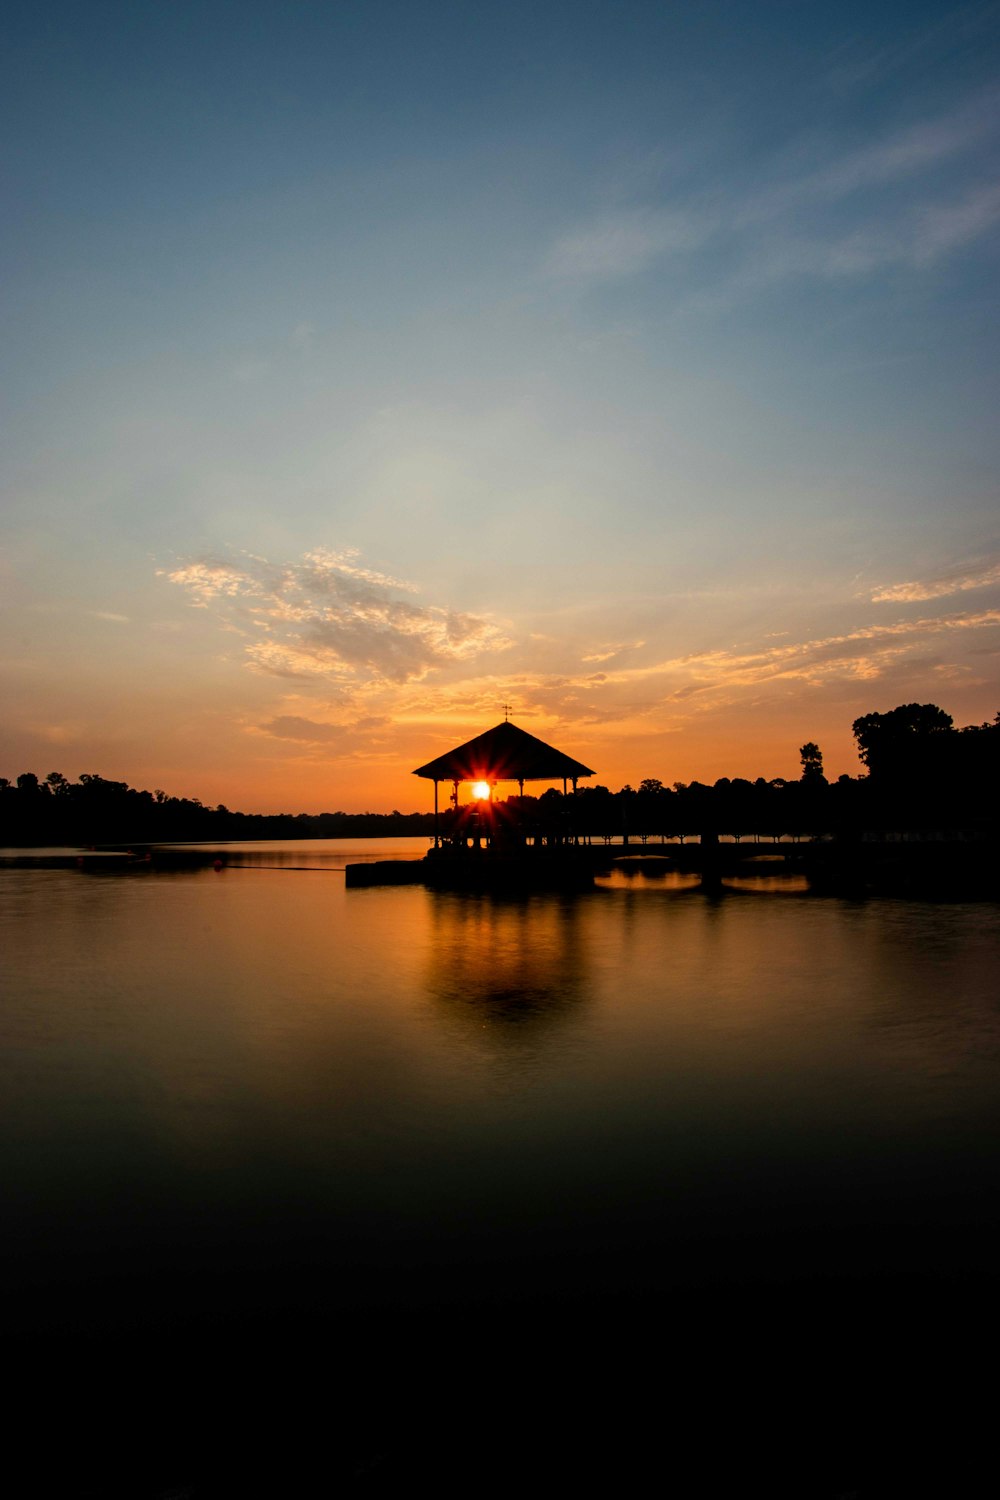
[917, 239]
[348, 737]
[208, 580]
[623, 244]
[897, 156]
[901, 155]
[941, 228]
[109, 615]
[360, 651]
[60, 734]
[606, 653]
[294, 727]
[670, 691]
[327, 563]
[329, 616]
[857, 653]
[917, 236]
[858, 63]
[937, 588]
[879, 205]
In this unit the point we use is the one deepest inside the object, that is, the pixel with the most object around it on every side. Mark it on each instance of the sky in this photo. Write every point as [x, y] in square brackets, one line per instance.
[370, 366]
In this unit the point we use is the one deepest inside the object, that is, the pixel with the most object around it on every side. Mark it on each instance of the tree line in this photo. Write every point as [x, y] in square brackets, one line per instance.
[922, 774]
[93, 810]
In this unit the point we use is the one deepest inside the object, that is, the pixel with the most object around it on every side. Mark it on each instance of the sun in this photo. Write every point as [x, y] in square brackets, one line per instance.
[481, 790]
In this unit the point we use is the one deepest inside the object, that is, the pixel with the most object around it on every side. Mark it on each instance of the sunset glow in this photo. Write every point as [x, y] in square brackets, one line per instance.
[500, 682]
[564, 362]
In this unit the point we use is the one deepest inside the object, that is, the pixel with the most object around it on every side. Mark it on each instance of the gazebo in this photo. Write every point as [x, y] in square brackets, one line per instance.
[503, 753]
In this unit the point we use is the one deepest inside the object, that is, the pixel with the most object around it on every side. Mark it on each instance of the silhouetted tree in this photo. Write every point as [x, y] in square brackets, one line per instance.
[889, 743]
[650, 807]
[922, 773]
[812, 763]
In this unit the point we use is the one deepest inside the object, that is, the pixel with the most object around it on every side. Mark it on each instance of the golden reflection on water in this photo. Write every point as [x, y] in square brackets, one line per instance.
[228, 1100]
[261, 1016]
[772, 885]
[502, 962]
[653, 872]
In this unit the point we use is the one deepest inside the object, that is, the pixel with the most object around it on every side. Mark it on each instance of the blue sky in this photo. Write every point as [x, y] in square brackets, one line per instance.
[368, 366]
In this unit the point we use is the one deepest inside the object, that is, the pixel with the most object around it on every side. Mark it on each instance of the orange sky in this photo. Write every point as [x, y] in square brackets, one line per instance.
[320, 684]
[655, 398]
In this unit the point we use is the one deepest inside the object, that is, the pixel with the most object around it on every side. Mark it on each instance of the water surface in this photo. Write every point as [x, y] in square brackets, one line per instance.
[256, 1122]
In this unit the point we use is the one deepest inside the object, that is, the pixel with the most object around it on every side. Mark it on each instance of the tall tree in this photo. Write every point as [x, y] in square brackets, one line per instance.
[812, 763]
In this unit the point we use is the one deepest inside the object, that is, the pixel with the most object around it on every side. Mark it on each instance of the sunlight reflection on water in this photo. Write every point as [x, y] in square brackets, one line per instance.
[249, 1006]
[272, 1090]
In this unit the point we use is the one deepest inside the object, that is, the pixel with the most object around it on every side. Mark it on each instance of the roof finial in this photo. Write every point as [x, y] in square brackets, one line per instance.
[506, 712]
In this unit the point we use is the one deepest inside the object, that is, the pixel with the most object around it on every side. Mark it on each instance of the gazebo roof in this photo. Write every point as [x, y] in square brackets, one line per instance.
[503, 753]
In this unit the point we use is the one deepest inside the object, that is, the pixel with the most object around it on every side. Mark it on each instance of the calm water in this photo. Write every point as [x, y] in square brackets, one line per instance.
[416, 1185]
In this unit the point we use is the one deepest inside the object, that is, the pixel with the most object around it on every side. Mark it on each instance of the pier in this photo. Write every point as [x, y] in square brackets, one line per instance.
[944, 869]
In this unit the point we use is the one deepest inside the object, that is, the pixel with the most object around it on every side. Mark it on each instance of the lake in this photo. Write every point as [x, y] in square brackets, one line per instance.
[394, 1185]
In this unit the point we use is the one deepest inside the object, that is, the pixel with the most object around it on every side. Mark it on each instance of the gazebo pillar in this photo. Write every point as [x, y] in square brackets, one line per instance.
[437, 827]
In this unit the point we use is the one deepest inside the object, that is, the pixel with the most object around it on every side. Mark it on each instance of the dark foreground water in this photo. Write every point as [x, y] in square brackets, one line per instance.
[310, 1191]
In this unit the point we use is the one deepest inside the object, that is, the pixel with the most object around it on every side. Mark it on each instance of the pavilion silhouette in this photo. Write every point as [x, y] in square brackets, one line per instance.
[503, 753]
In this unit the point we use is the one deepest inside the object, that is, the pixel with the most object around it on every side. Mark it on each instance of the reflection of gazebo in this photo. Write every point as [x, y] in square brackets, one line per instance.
[503, 753]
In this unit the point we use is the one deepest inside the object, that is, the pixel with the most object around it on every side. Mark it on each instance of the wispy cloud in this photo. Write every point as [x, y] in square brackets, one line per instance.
[857, 653]
[916, 236]
[329, 616]
[957, 582]
[623, 244]
[892, 158]
[355, 734]
[609, 652]
[873, 206]
[942, 227]
[310, 731]
[860, 63]
[369, 668]
[901, 155]
[60, 734]
[671, 690]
